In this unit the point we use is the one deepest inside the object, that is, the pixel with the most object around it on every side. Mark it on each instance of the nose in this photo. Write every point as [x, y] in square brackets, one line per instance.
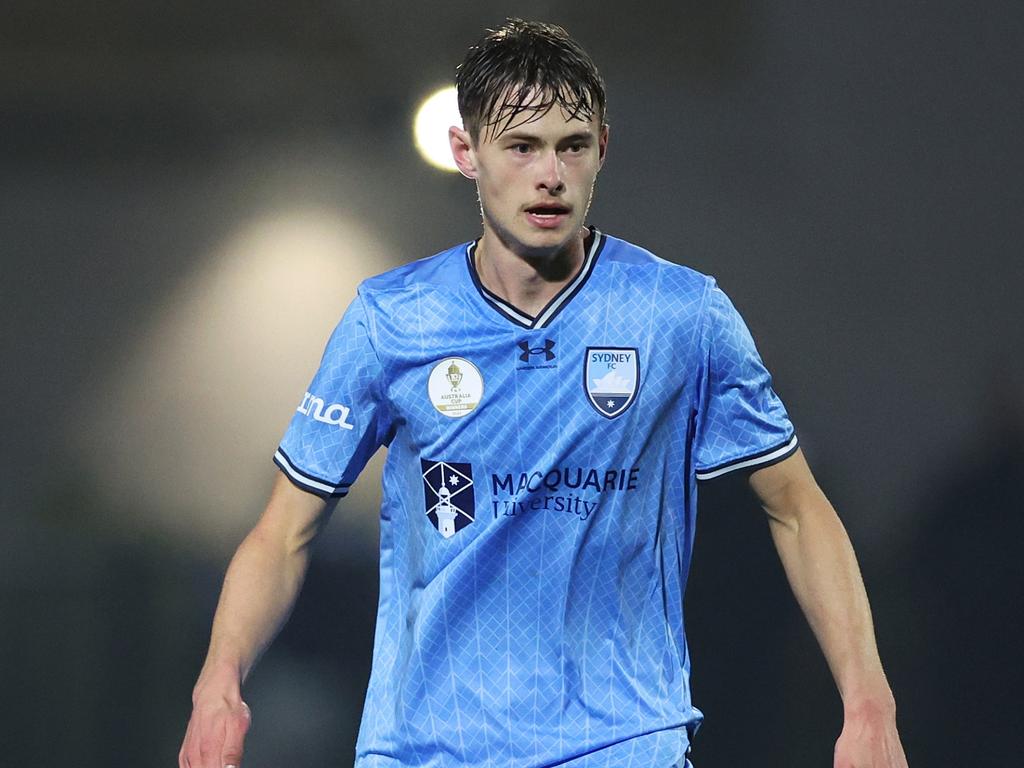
[550, 177]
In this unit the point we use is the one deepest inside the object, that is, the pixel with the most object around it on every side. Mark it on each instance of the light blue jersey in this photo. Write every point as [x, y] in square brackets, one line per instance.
[540, 495]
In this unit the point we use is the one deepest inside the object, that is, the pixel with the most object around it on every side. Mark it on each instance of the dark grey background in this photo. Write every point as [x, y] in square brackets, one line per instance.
[850, 172]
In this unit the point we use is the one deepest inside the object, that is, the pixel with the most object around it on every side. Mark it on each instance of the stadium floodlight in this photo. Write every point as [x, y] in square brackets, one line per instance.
[433, 118]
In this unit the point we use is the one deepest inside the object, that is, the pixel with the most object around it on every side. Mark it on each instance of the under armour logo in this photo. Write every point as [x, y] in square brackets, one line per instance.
[549, 344]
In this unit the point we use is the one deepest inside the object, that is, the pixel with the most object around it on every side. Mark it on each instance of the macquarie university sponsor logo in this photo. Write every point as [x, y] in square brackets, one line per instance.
[335, 414]
[611, 376]
[570, 491]
[448, 495]
[455, 387]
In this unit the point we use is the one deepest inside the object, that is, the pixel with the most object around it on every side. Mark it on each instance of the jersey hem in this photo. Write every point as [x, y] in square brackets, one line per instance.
[761, 459]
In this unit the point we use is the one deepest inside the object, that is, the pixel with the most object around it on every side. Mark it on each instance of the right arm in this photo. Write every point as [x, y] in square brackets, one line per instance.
[260, 589]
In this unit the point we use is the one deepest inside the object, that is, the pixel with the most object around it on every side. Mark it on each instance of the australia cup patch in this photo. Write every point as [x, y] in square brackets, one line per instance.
[448, 494]
[455, 386]
[611, 377]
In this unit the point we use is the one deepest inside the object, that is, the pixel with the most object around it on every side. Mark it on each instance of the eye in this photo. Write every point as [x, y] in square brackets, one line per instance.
[520, 149]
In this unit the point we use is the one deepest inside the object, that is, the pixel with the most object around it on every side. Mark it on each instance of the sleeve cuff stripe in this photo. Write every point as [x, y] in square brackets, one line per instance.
[771, 456]
[305, 480]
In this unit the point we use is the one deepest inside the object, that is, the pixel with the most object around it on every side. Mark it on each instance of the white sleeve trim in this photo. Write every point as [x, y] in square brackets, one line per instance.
[304, 480]
[751, 462]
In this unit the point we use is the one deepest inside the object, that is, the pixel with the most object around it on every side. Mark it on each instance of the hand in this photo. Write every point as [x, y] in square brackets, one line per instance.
[870, 739]
[215, 732]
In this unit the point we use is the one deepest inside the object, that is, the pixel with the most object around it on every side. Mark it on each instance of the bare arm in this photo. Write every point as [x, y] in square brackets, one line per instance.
[260, 588]
[823, 573]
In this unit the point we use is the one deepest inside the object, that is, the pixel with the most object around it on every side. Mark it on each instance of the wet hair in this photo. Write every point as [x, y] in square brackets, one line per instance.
[521, 70]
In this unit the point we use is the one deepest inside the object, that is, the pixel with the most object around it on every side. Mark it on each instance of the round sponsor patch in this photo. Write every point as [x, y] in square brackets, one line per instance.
[455, 386]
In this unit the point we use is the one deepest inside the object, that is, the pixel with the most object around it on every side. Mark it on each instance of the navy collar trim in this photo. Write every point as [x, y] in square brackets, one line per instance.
[557, 304]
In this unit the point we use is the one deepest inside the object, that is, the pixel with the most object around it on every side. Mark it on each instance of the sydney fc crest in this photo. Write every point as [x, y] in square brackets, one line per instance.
[448, 493]
[611, 377]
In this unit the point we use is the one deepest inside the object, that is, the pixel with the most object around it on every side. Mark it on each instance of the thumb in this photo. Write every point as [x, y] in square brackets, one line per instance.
[234, 736]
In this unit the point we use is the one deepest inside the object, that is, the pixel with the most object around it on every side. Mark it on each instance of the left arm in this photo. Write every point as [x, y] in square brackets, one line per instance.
[823, 573]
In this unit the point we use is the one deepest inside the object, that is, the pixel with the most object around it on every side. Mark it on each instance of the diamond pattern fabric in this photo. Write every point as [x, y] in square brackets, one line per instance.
[548, 629]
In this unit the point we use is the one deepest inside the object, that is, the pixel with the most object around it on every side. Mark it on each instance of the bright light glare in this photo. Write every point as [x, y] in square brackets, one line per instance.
[181, 431]
[435, 115]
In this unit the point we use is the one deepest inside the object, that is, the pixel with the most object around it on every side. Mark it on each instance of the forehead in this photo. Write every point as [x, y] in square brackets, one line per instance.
[533, 111]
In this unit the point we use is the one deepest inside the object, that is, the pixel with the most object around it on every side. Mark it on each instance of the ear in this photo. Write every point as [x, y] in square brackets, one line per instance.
[602, 145]
[462, 151]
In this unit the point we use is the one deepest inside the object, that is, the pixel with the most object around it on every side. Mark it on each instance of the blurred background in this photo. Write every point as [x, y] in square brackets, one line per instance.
[190, 192]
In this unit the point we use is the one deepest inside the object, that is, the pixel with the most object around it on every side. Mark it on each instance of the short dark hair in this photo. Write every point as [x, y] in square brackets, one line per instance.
[526, 66]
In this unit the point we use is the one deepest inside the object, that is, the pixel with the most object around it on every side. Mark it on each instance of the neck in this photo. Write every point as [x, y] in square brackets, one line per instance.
[527, 281]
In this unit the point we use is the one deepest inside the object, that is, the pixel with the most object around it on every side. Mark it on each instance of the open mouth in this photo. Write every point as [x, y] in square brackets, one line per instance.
[548, 210]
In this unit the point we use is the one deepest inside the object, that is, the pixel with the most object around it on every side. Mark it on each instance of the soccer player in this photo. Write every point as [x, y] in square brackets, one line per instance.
[550, 397]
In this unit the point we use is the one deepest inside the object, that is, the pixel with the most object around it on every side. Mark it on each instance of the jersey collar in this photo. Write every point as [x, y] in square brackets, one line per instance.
[593, 247]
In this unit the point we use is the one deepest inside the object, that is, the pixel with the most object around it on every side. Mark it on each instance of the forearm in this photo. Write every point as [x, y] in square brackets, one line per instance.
[262, 582]
[822, 569]
[260, 589]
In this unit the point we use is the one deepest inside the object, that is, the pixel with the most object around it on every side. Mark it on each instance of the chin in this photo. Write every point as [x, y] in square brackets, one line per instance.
[551, 239]
[546, 245]
[533, 242]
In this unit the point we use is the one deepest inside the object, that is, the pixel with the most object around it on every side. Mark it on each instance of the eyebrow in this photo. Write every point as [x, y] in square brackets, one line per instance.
[523, 136]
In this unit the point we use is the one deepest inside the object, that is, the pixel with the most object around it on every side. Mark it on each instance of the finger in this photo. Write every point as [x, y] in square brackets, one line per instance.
[210, 743]
[182, 760]
[186, 745]
[234, 737]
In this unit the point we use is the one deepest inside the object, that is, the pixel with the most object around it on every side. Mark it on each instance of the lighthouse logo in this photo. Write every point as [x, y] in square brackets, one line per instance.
[448, 495]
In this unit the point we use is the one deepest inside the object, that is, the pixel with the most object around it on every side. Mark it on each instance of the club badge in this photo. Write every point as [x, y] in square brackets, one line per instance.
[611, 377]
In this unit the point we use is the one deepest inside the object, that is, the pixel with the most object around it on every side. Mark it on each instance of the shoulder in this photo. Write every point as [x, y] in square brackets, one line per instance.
[653, 271]
[430, 272]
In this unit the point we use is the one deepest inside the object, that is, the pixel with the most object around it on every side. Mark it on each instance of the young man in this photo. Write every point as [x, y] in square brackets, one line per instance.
[550, 397]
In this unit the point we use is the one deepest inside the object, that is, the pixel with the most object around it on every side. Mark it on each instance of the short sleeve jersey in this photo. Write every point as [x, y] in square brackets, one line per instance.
[539, 501]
